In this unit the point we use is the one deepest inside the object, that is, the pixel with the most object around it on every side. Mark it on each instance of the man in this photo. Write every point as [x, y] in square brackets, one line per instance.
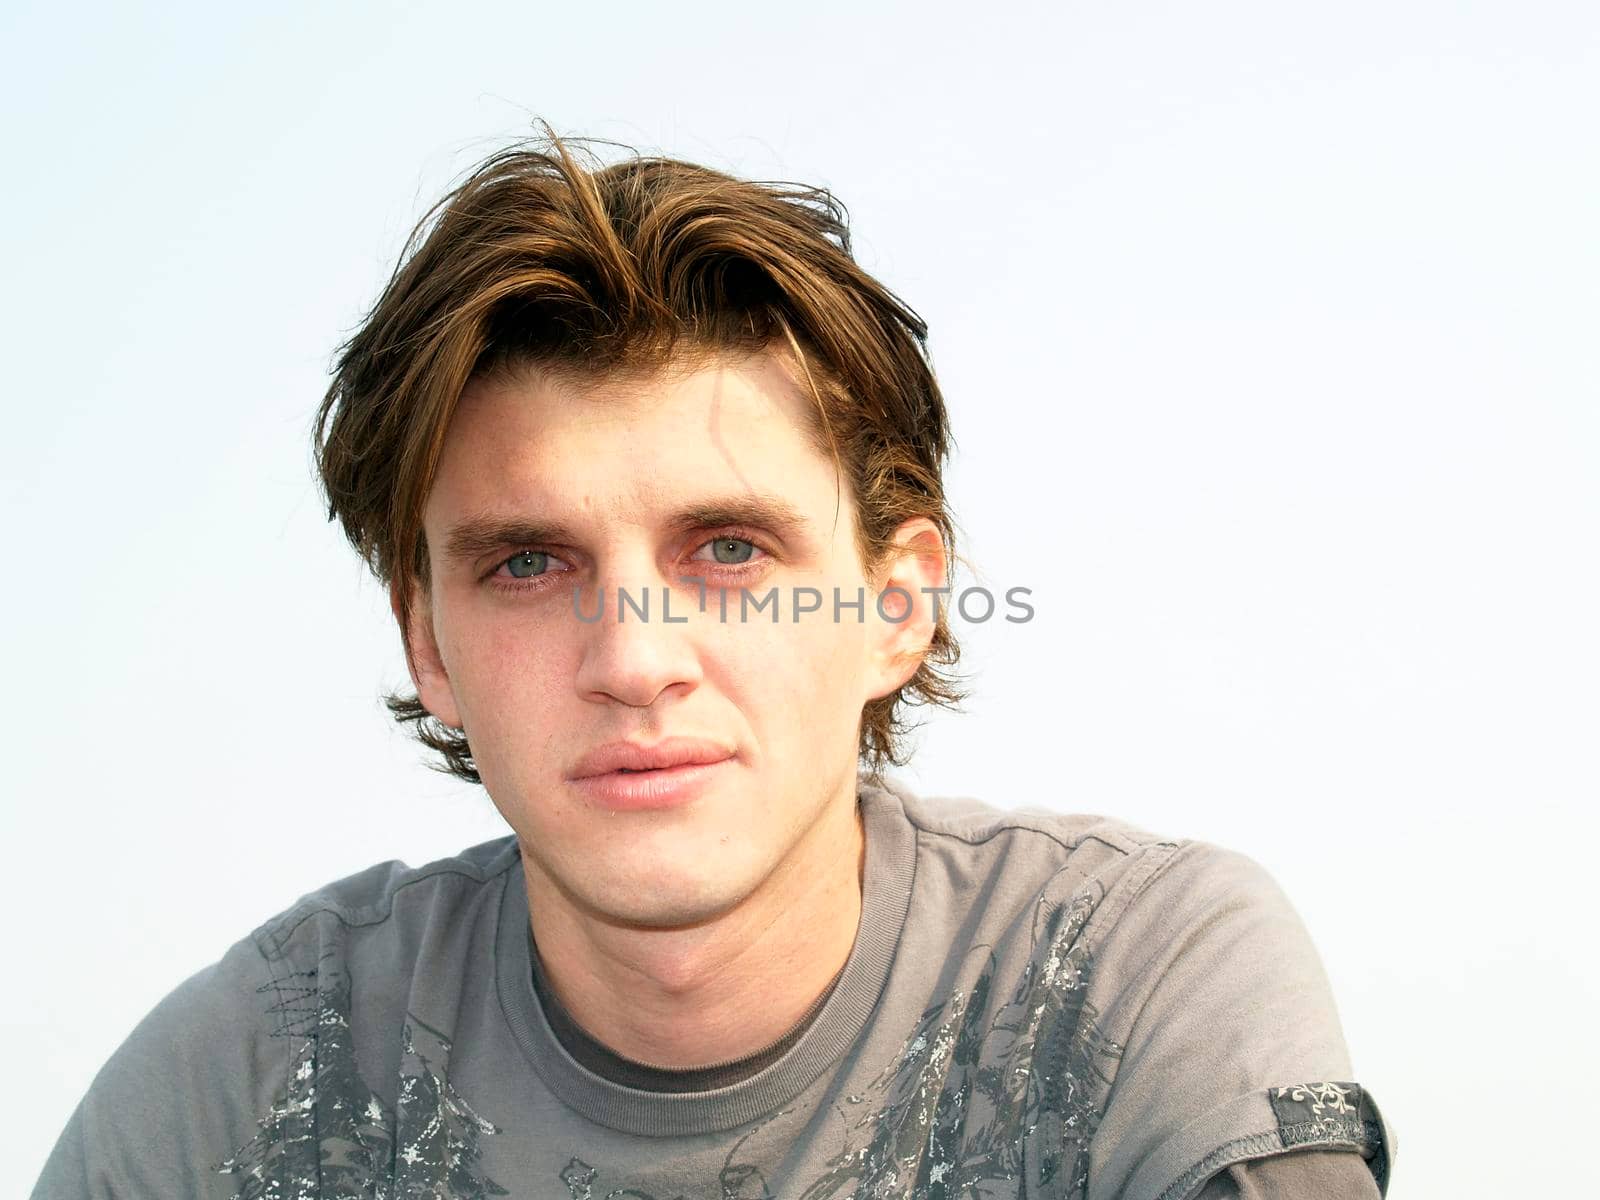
[652, 471]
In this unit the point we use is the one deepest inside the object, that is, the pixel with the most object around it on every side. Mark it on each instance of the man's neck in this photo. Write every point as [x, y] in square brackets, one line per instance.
[686, 998]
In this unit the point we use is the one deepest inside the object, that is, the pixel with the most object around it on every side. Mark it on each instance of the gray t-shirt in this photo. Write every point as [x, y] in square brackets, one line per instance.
[1036, 1005]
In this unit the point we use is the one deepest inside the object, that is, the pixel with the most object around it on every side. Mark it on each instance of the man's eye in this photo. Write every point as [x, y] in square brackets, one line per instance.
[731, 552]
[527, 564]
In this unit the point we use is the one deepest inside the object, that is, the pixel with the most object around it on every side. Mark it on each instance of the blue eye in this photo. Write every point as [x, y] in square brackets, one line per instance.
[732, 551]
[528, 564]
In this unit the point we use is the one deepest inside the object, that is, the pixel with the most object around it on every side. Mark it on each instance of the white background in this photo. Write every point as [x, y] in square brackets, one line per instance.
[1268, 330]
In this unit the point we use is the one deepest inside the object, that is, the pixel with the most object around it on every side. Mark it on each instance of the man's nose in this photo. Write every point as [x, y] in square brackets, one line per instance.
[636, 641]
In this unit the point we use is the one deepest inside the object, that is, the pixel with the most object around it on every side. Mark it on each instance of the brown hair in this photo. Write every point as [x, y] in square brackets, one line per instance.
[632, 267]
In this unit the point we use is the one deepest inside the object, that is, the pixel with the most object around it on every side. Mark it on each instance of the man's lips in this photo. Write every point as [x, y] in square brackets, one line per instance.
[626, 758]
[659, 788]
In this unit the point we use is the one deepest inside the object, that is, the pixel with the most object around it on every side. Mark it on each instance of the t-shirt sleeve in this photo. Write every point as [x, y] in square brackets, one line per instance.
[1231, 1046]
[1296, 1175]
[180, 1093]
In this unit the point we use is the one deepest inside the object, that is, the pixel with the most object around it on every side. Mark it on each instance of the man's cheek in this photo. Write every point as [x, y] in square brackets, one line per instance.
[799, 667]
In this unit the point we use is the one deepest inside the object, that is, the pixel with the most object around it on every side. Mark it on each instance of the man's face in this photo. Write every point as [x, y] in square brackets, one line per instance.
[632, 481]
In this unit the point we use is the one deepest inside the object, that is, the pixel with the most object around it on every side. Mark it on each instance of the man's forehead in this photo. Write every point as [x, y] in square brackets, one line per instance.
[541, 455]
[547, 432]
[768, 374]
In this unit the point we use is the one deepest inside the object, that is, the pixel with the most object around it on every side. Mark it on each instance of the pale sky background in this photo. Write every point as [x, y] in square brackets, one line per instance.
[1269, 336]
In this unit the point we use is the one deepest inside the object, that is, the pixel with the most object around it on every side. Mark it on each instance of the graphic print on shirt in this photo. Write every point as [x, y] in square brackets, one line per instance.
[1334, 1114]
[330, 1135]
[979, 1103]
[736, 1180]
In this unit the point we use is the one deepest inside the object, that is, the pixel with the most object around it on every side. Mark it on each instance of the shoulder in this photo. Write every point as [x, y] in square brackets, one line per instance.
[1053, 854]
[248, 978]
[976, 821]
[212, 998]
[391, 890]
[1156, 877]
[1173, 1002]
[1230, 1043]
[187, 1086]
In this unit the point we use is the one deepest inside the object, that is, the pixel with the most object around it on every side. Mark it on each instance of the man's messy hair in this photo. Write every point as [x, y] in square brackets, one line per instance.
[538, 259]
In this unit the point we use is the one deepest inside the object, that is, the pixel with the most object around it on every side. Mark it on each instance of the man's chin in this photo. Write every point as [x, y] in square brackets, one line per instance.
[665, 901]
[673, 879]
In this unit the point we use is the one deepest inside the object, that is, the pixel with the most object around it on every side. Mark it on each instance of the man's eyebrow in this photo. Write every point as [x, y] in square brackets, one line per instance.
[477, 535]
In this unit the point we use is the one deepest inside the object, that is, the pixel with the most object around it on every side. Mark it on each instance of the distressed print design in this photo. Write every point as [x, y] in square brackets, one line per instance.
[1335, 1114]
[331, 1135]
[1331, 1098]
[735, 1181]
[953, 1117]
[438, 1131]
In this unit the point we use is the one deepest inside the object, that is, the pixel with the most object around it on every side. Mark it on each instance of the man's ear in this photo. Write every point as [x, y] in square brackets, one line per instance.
[423, 659]
[903, 615]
